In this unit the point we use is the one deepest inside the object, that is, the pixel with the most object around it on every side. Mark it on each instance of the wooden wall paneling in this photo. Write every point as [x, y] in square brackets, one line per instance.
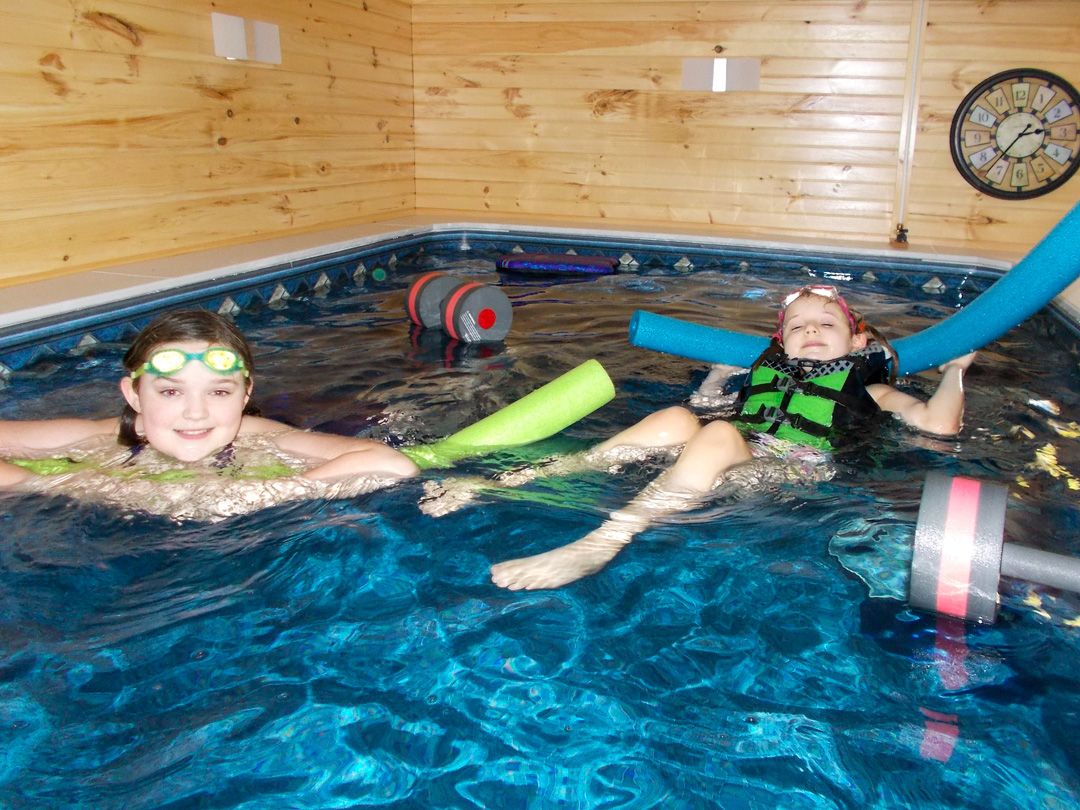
[161, 228]
[792, 75]
[682, 139]
[556, 88]
[187, 177]
[967, 42]
[571, 36]
[125, 137]
[606, 63]
[805, 12]
[122, 136]
[74, 79]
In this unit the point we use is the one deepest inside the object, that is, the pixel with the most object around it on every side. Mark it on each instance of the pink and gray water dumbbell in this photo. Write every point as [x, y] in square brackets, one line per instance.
[960, 551]
[466, 310]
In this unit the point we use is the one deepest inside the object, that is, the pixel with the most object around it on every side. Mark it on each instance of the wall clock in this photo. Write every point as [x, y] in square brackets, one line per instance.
[1015, 135]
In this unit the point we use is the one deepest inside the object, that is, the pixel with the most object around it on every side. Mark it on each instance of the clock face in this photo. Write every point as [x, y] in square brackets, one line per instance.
[1015, 135]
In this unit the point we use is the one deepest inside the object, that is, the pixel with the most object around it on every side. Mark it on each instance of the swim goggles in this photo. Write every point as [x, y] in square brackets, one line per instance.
[829, 293]
[169, 361]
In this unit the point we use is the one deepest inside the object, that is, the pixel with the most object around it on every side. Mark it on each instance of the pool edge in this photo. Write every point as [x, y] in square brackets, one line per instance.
[53, 298]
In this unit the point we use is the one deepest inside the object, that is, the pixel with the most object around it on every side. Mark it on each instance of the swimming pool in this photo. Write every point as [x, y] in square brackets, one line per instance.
[755, 652]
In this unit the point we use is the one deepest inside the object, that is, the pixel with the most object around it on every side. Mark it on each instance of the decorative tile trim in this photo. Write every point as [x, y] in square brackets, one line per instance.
[271, 286]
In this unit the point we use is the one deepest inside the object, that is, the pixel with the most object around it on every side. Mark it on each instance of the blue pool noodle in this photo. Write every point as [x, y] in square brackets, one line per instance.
[1051, 266]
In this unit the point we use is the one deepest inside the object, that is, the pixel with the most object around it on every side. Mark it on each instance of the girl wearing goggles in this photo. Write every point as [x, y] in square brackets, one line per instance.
[165, 362]
[823, 375]
[187, 395]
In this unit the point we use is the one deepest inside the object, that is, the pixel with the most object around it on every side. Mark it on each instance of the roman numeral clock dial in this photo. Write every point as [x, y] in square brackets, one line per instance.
[1015, 135]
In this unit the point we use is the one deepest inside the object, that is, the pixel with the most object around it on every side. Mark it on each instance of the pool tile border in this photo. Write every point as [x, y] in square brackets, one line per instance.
[23, 344]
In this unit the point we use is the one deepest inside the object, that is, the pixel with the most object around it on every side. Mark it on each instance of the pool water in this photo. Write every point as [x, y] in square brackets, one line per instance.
[755, 652]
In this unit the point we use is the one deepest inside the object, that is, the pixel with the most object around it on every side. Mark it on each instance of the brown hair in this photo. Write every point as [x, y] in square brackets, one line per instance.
[180, 327]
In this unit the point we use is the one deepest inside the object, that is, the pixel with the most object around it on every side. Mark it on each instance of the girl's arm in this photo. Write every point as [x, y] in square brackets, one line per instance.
[942, 413]
[12, 475]
[335, 456]
[34, 437]
[42, 435]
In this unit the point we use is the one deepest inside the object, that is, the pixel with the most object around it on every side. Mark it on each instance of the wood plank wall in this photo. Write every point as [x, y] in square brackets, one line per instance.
[574, 107]
[965, 42]
[122, 136]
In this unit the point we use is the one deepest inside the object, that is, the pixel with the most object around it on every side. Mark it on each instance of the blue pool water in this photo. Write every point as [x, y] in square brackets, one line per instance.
[753, 653]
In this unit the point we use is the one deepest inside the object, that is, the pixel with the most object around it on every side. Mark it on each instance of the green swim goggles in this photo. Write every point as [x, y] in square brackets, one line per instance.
[218, 359]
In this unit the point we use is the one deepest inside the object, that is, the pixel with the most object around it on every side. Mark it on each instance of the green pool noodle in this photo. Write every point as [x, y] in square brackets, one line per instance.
[535, 416]
[50, 466]
[62, 466]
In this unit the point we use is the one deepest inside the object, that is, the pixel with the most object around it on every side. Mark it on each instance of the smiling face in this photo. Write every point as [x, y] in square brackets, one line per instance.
[816, 328]
[189, 414]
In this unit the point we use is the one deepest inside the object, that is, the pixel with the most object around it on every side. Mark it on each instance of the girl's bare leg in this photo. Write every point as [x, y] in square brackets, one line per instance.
[710, 452]
[667, 428]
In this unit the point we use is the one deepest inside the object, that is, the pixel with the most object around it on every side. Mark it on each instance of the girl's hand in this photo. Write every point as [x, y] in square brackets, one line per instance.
[962, 363]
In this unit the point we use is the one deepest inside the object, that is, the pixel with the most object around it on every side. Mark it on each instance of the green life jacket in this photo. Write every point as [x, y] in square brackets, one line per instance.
[808, 401]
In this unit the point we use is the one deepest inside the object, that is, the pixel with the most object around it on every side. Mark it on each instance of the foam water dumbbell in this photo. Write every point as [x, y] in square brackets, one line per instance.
[466, 310]
[423, 302]
[475, 312]
[960, 551]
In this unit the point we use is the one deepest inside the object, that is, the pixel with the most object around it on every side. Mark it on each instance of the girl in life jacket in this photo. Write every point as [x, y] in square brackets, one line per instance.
[815, 401]
[823, 375]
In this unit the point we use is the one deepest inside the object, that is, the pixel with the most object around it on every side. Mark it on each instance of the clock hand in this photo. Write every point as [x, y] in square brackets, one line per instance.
[1023, 132]
[1026, 131]
[1021, 135]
